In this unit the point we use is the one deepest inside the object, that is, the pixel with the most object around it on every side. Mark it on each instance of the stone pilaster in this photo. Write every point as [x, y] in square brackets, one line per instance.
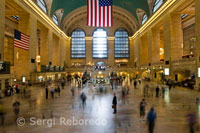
[197, 32]
[173, 37]
[2, 84]
[131, 53]
[136, 48]
[50, 44]
[2, 28]
[89, 50]
[33, 42]
[144, 50]
[44, 53]
[155, 45]
[68, 53]
[111, 52]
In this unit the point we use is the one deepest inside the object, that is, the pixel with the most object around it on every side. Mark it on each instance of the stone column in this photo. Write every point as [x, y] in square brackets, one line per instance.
[33, 43]
[131, 53]
[50, 44]
[89, 50]
[68, 53]
[111, 52]
[173, 37]
[197, 32]
[44, 53]
[2, 28]
[62, 51]
[137, 51]
[144, 50]
[154, 48]
[2, 84]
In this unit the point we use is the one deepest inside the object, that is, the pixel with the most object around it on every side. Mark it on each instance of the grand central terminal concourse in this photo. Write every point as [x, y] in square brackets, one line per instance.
[99, 66]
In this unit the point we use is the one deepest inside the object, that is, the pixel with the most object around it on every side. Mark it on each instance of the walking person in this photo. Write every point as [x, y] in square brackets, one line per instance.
[124, 95]
[114, 103]
[58, 90]
[157, 91]
[151, 117]
[52, 92]
[72, 90]
[142, 108]
[83, 98]
[192, 121]
[16, 107]
[163, 91]
[47, 92]
[135, 84]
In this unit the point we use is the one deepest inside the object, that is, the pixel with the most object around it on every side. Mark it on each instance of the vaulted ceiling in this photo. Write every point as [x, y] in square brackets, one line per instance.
[129, 5]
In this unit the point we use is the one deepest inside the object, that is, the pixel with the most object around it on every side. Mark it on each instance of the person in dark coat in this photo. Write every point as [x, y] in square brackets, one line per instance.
[157, 91]
[151, 117]
[114, 102]
[47, 92]
[16, 106]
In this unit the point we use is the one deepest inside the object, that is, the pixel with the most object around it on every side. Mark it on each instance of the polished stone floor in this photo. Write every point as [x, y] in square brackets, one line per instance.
[171, 111]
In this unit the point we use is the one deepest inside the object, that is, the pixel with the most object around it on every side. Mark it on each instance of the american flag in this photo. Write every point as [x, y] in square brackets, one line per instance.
[21, 40]
[99, 13]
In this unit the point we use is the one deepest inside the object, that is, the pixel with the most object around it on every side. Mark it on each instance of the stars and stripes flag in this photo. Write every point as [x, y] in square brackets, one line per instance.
[21, 40]
[99, 13]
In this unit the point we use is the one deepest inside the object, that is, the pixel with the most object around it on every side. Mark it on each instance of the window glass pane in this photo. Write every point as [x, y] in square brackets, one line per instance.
[121, 44]
[144, 18]
[55, 19]
[42, 5]
[157, 4]
[100, 48]
[78, 44]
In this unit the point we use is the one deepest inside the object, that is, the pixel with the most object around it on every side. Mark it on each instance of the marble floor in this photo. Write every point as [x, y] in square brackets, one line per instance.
[62, 113]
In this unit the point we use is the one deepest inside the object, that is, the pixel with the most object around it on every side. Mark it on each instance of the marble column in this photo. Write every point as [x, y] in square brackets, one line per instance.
[2, 28]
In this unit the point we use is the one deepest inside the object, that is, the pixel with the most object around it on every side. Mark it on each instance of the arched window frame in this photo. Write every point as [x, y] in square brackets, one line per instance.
[104, 56]
[78, 44]
[144, 19]
[55, 19]
[42, 5]
[122, 45]
[157, 4]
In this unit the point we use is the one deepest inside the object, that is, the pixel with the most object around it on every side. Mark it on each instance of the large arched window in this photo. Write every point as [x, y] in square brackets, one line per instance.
[100, 46]
[121, 44]
[42, 5]
[156, 5]
[78, 44]
[55, 19]
[144, 19]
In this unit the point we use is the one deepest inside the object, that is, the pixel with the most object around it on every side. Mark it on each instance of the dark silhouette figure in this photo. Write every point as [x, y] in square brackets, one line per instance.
[47, 92]
[114, 102]
[151, 117]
